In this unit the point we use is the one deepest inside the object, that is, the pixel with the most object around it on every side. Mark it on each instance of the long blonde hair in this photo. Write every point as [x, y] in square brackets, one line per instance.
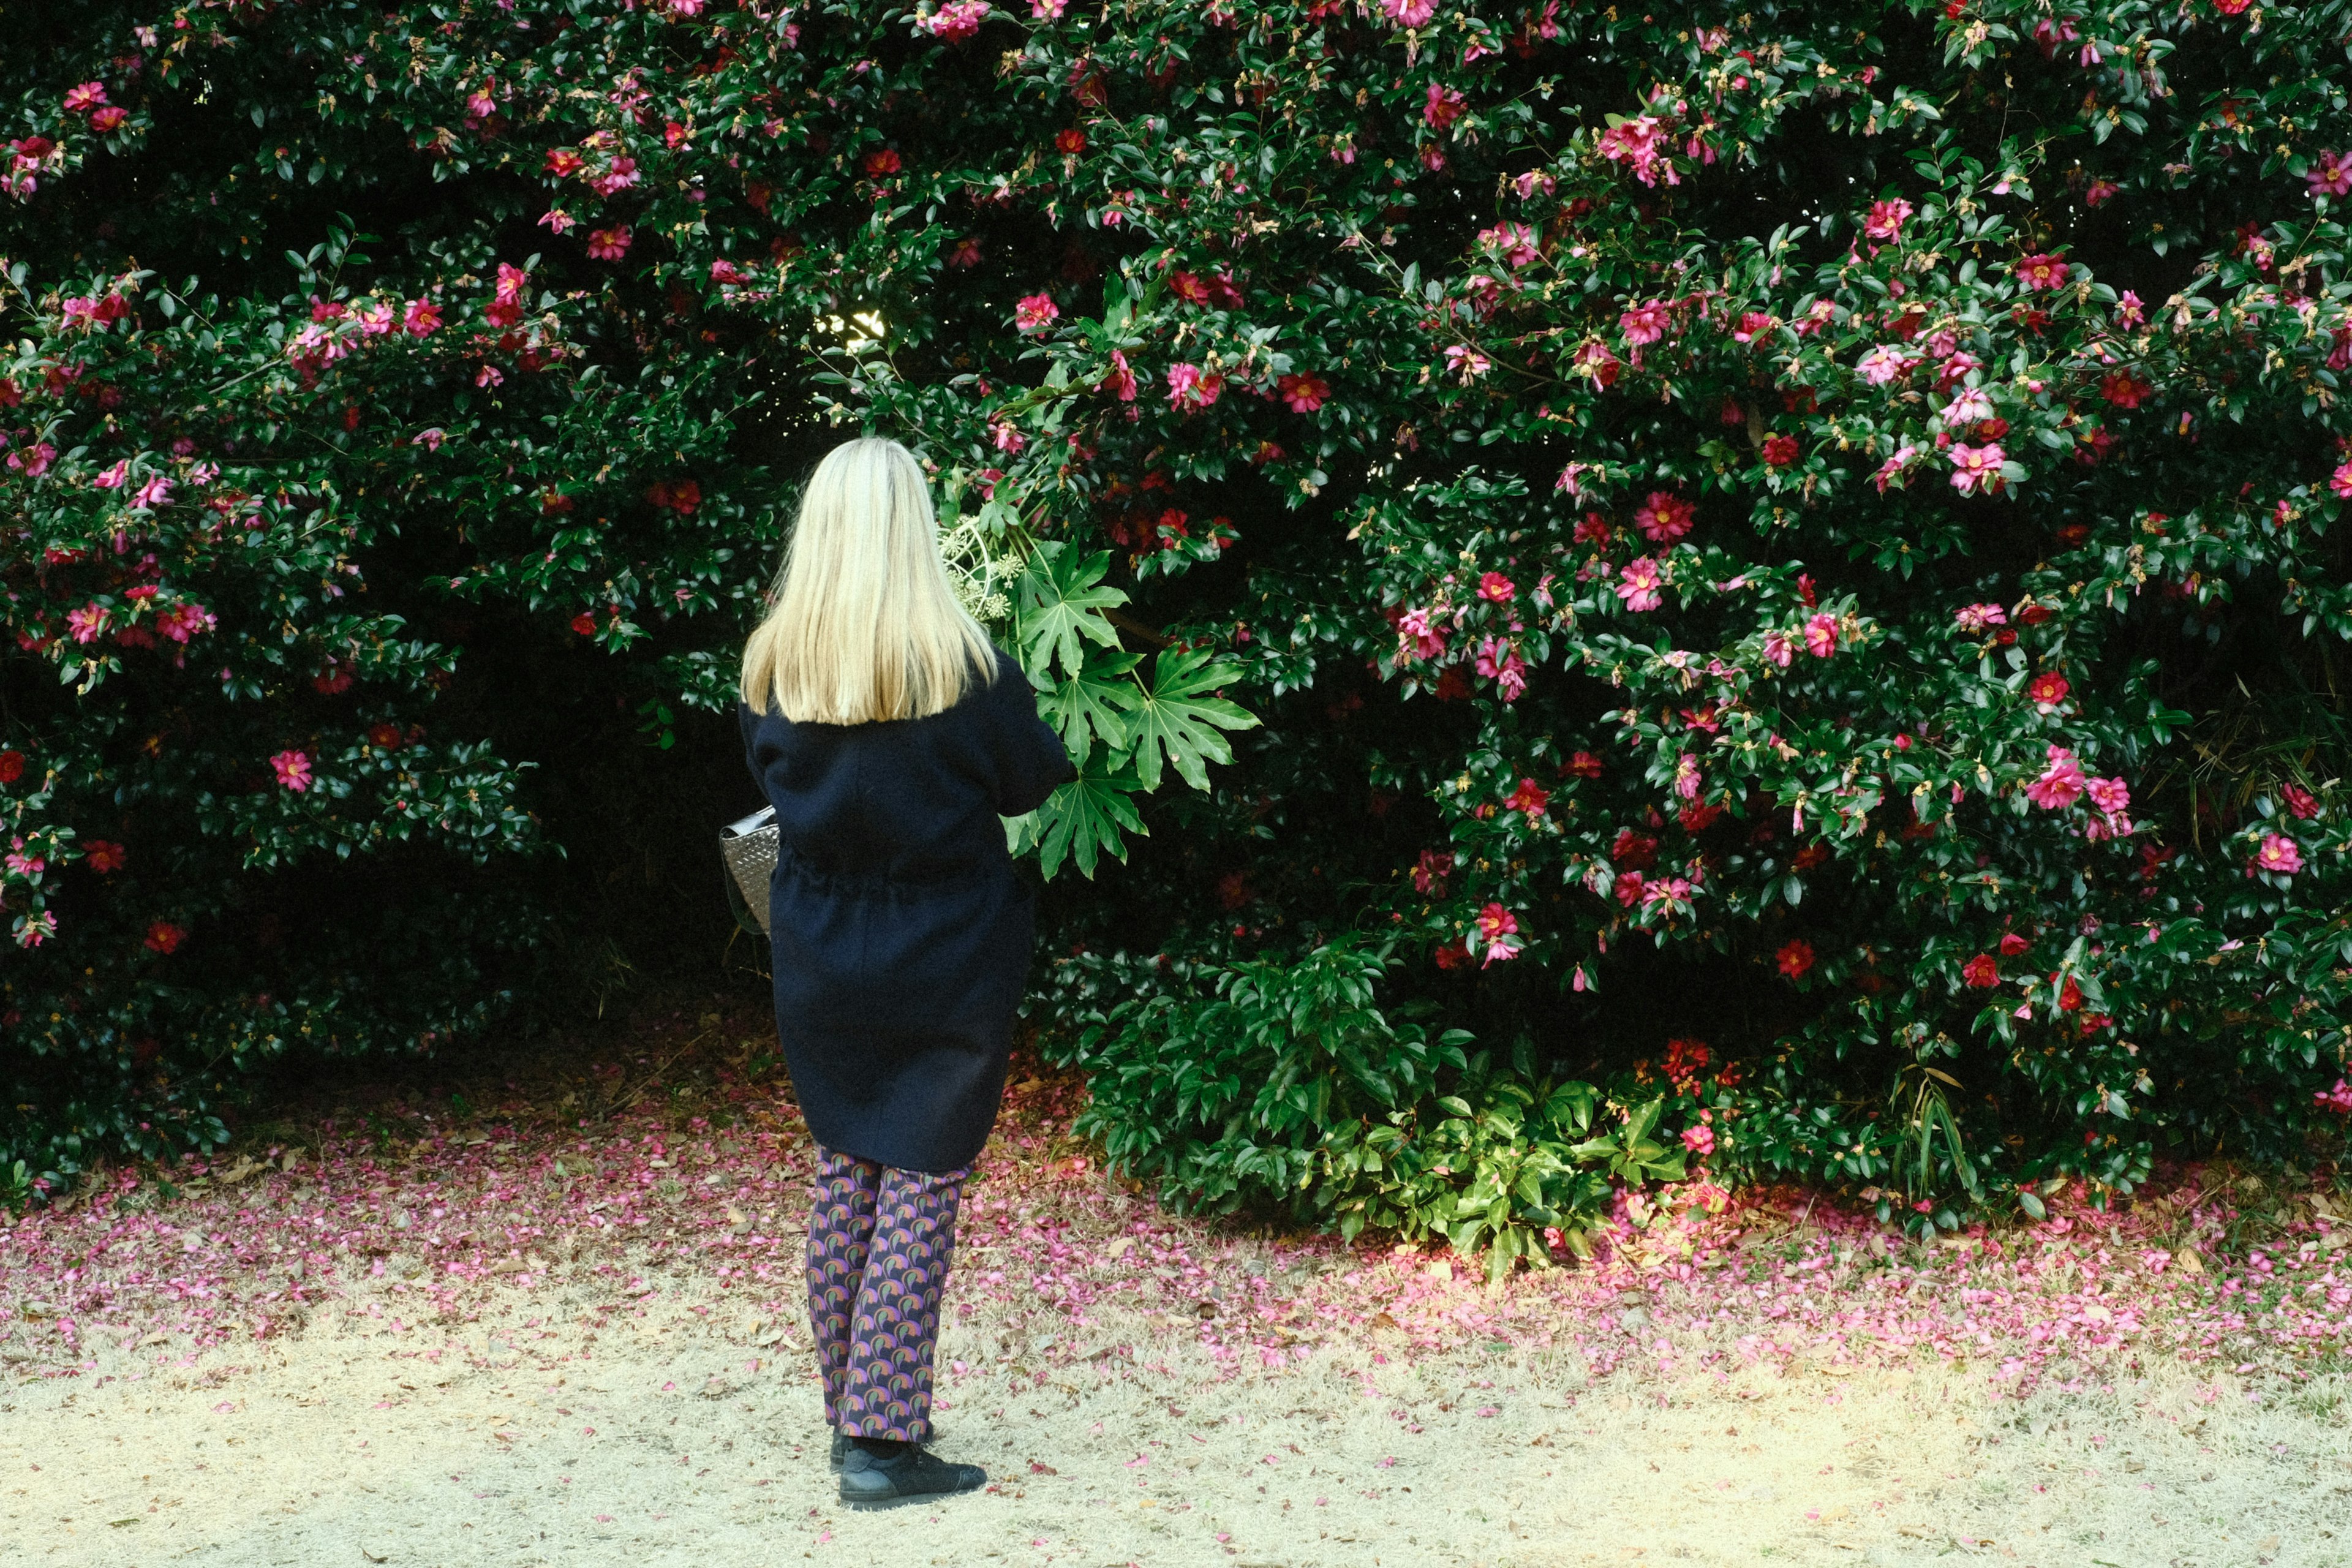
[864, 623]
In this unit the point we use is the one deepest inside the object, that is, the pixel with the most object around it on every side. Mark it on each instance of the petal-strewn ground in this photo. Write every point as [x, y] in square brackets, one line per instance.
[554, 1316]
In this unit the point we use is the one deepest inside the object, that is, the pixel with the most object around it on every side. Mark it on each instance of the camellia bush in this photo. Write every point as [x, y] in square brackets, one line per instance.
[1676, 596]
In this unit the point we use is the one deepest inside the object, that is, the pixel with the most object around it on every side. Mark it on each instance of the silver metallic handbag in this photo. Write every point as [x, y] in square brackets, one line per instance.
[749, 849]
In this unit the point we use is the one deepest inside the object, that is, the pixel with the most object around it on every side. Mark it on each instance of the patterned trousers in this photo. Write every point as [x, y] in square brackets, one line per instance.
[880, 1242]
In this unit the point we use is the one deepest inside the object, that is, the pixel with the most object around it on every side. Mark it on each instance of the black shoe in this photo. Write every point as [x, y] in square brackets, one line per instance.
[913, 1475]
[840, 1450]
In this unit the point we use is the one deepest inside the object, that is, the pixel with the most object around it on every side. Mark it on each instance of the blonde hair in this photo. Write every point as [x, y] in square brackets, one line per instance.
[864, 623]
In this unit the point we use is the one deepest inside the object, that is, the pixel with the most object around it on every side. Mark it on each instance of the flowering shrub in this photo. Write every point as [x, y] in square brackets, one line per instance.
[1785, 558]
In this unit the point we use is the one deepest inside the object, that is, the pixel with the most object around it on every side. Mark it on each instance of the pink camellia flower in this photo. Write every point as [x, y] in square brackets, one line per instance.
[1595, 361]
[2062, 783]
[2047, 690]
[1501, 664]
[1443, 107]
[955, 21]
[488, 376]
[1975, 618]
[1189, 387]
[2301, 803]
[1887, 220]
[609, 243]
[1977, 469]
[1980, 972]
[1047, 10]
[113, 479]
[1752, 325]
[429, 439]
[556, 219]
[2131, 311]
[1534, 180]
[185, 620]
[1665, 517]
[1968, 407]
[1821, 636]
[1639, 583]
[1884, 363]
[89, 623]
[1688, 779]
[1008, 437]
[1034, 312]
[725, 271]
[1119, 378]
[1528, 797]
[1496, 588]
[2340, 481]
[422, 318]
[1699, 1139]
[2279, 855]
[1644, 323]
[293, 770]
[1891, 470]
[1514, 241]
[2338, 1099]
[564, 163]
[88, 96]
[2330, 175]
[2043, 270]
[154, 494]
[1408, 12]
[1637, 144]
[1778, 649]
[2112, 797]
[1497, 928]
[1418, 637]
[1467, 363]
[1796, 958]
[2101, 191]
[33, 461]
[1429, 873]
[108, 119]
[1303, 393]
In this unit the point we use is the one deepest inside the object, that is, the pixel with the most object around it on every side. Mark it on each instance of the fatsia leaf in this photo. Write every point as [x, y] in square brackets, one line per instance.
[1173, 716]
[1062, 600]
[1089, 701]
[1083, 818]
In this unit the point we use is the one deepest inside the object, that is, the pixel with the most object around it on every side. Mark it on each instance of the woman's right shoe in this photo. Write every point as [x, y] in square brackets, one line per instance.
[913, 1475]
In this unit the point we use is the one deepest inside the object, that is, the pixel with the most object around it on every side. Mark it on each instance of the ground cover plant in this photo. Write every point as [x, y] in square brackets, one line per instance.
[1727, 594]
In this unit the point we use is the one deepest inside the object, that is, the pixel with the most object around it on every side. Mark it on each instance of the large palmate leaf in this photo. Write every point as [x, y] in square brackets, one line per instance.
[1084, 817]
[1063, 597]
[1087, 705]
[1174, 717]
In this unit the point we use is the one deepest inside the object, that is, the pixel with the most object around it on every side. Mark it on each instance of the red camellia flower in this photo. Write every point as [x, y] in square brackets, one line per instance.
[109, 118]
[165, 937]
[609, 243]
[1980, 972]
[1303, 393]
[1583, 765]
[880, 161]
[1443, 107]
[2011, 944]
[387, 736]
[1073, 141]
[1529, 797]
[2069, 995]
[2124, 390]
[2048, 690]
[12, 766]
[564, 163]
[1496, 588]
[103, 854]
[1779, 451]
[1796, 958]
[584, 624]
[2300, 802]
[2043, 271]
[1665, 517]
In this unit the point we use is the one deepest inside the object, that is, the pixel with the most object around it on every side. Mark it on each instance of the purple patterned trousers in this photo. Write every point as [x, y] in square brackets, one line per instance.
[879, 1244]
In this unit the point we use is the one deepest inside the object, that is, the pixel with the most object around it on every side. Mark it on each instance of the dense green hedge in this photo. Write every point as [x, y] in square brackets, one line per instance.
[1785, 558]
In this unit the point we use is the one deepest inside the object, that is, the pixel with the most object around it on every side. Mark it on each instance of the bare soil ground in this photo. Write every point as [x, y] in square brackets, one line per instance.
[556, 1321]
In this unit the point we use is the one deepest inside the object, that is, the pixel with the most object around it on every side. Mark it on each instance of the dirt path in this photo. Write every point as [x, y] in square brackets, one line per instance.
[444, 1330]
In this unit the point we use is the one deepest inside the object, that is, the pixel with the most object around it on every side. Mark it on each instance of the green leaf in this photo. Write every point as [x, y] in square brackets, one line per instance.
[1171, 717]
[1089, 701]
[1083, 818]
[1062, 601]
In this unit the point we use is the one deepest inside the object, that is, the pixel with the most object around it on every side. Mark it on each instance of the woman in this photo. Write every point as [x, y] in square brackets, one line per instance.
[890, 736]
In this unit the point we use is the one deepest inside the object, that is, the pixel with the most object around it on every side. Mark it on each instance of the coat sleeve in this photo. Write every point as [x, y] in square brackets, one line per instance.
[1031, 763]
[748, 723]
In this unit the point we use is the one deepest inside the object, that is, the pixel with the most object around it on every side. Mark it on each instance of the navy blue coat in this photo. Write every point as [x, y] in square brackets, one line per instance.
[900, 934]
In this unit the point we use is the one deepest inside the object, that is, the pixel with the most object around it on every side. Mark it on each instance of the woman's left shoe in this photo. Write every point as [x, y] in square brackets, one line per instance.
[912, 1475]
[840, 1449]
